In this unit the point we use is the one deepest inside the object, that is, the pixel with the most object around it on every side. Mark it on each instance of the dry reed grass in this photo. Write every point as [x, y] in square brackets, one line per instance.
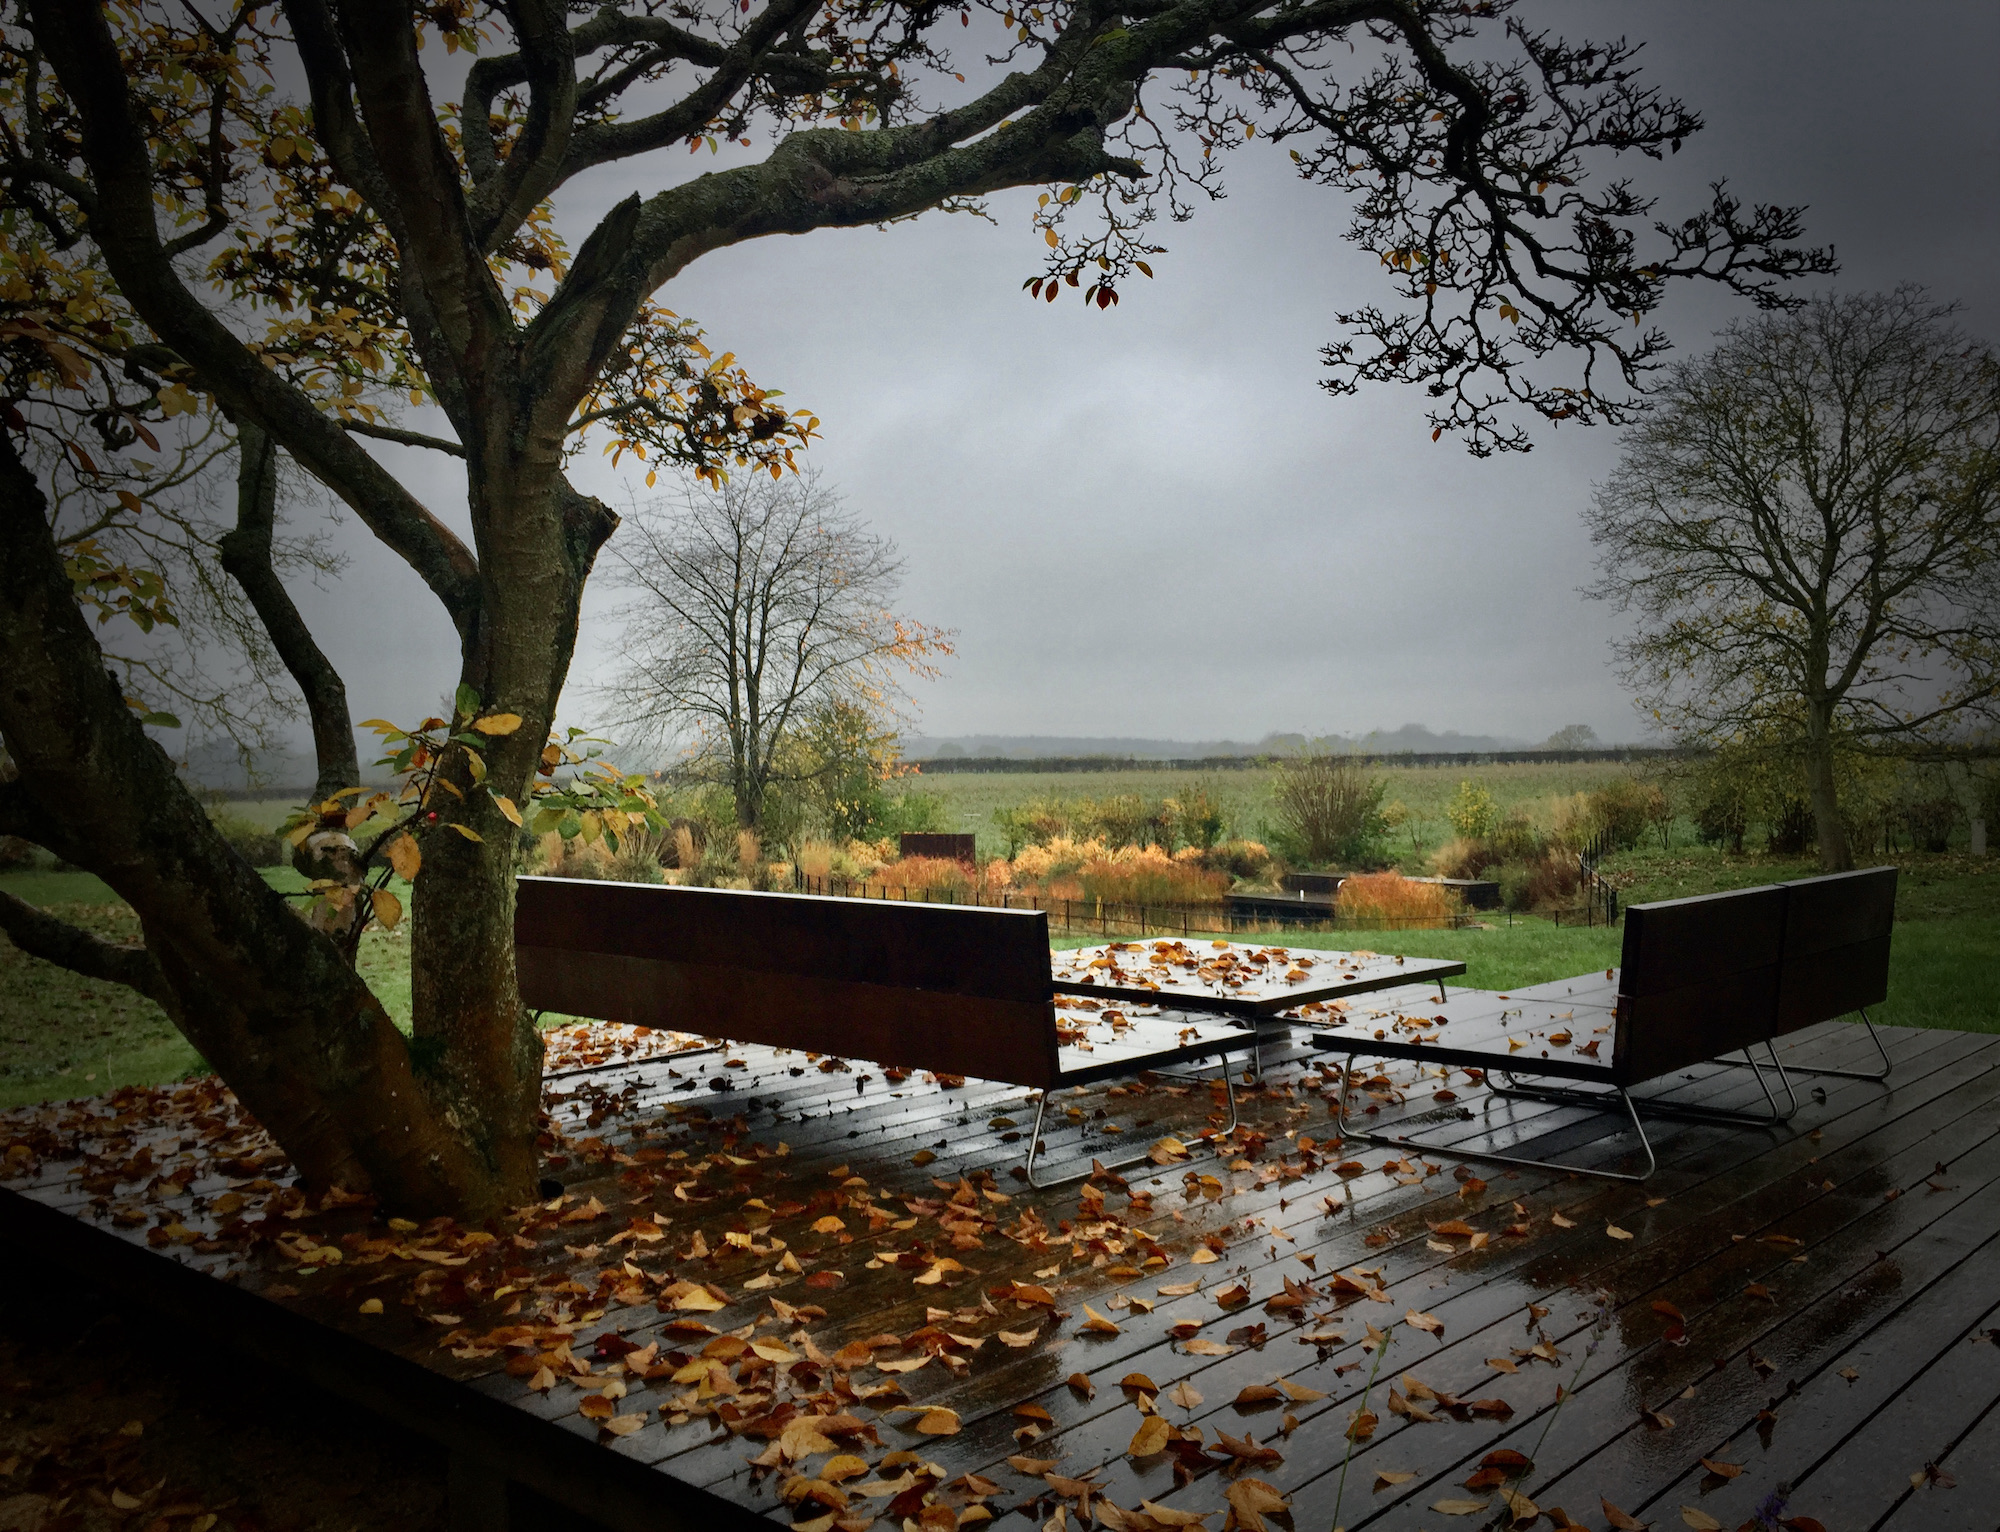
[1396, 900]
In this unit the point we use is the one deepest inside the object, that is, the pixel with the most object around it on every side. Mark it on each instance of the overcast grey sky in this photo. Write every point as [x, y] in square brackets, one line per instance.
[1153, 522]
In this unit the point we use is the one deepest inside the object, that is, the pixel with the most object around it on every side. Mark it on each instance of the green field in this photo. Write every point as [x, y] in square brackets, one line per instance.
[970, 798]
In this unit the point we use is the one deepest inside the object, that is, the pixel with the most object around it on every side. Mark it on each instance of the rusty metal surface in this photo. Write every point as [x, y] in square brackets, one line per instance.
[1237, 978]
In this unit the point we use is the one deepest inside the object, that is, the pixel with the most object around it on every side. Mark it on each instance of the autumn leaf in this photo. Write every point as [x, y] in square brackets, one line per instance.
[1429, 1322]
[1097, 1324]
[1617, 1233]
[404, 857]
[388, 908]
[1722, 1470]
[1621, 1521]
[1454, 1507]
[506, 807]
[1184, 1394]
[1699, 1519]
[1389, 1478]
[498, 723]
[1151, 1437]
[1250, 1500]
[938, 1421]
[1561, 1222]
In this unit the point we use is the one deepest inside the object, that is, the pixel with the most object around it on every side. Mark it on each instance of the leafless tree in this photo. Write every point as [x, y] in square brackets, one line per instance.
[1808, 528]
[753, 607]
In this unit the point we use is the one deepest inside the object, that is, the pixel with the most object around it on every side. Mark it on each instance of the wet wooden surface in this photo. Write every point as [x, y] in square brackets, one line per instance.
[1812, 1307]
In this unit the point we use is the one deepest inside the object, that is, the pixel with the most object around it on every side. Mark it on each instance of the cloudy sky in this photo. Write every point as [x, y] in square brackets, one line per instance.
[1152, 521]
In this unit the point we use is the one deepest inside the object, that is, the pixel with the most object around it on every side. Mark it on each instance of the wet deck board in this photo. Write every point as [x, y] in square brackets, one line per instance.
[1899, 1283]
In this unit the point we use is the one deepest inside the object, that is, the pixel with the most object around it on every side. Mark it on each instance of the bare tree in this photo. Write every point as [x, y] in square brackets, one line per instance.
[755, 607]
[1808, 528]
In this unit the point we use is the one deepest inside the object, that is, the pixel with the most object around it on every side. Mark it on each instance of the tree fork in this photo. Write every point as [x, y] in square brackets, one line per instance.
[269, 1001]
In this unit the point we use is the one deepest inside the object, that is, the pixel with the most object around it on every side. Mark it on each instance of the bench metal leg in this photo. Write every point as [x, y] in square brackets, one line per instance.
[1137, 1158]
[1876, 1076]
[1366, 1135]
[1569, 1096]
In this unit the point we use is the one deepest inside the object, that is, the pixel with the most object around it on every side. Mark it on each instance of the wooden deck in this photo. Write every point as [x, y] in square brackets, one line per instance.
[1813, 1308]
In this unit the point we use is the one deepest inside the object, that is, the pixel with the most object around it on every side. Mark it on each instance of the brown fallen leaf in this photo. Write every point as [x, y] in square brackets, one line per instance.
[1389, 1478]
[1082, 1384]
[1617, 1233]
[1361, 1425]
[1184, 1394]
[1298, 1393]
[1202, 1346]
[1699, 1519]
[1097, 1324]
[1501, 1364]
[1722, 1470]
[1034, 1468]
[1250, 1500]
[1661, 1306]
[1459, 1507]
[1561, 1222]
[1151, 1437]
[1621, 1521]
[1655, 1421]
[1257, 1393]
[1429, 1322]
[938, 1421]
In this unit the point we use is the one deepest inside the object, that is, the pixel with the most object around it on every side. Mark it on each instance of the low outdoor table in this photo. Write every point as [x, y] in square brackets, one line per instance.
[1237, 979]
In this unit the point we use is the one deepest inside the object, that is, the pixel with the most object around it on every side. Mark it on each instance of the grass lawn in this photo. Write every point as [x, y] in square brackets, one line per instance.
[63, 1035]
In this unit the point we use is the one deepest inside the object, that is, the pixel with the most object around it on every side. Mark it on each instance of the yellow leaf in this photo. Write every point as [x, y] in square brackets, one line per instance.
[1150, 1438]
[1097, 1324]
[1458, 1507]
[938, 1421]
[497, 723]
[371, 1306]
[507, 808]
[388, 908]
[1617, 1233]
[1050, 235]
[468, 832]
[405, 858]
[1699, 1519]
[1428, 1322]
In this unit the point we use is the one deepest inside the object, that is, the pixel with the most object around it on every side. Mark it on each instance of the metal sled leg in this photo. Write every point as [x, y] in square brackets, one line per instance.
[1596, 1100]
[1139, 1157]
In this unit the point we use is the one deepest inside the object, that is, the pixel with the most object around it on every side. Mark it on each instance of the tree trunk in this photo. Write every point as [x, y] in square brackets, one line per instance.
[268, 1001]
[475, 1044]
[1835, 855]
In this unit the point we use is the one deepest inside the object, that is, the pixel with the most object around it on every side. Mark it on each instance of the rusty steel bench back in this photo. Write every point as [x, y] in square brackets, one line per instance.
[1836, 952]
[1708, 975]
[925, 986]
[1699, 978]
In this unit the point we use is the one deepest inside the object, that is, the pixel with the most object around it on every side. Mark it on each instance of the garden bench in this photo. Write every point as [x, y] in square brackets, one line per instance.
[955, 990]
[1700, 977]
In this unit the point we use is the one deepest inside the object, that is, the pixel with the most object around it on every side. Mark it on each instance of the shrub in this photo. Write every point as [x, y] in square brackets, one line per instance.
[1056, 858]
[1472, 812]
[1929, 822]
[1197, 812]
[921, 874]
[1625, 807]
[1247, 859]
[255, 844]
[1329, 810]
[1395, 900]
[1791, 830]
[1150, 876]
[915, 812]
[1542, 882]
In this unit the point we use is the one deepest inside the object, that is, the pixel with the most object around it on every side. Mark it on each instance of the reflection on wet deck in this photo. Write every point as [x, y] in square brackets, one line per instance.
[818, 1292]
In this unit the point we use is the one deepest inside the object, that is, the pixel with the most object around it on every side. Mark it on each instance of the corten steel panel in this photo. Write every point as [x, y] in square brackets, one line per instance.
[926, 987]
[1699, 978]
[1008, 1040]
[1836, 946]
[950, 848]
[1002, 954]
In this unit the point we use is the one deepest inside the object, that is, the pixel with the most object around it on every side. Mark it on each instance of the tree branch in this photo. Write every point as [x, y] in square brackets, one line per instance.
[246, 555]
[115, 148]
[40, 934]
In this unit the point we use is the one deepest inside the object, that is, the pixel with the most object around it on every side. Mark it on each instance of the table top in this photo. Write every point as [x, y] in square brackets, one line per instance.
[1236, 978]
